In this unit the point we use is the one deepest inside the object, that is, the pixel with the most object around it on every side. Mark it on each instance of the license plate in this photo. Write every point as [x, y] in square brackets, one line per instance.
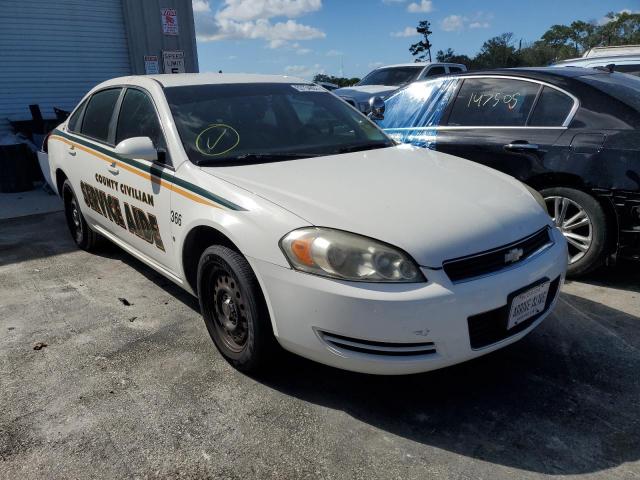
[528, 304]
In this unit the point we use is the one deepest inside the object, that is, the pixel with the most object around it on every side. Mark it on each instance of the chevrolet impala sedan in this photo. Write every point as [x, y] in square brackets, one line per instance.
[299, 224]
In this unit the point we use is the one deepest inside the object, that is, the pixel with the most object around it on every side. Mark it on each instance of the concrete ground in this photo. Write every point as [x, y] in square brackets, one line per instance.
[140, 391]
[34, 201]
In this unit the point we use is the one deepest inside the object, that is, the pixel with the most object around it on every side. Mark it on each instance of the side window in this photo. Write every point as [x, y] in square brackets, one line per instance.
[435, 71]
[138, 118]
[97, 115]
[455, 70]
[419, 105]
[552, 109]
[499, 102]
[73, 125]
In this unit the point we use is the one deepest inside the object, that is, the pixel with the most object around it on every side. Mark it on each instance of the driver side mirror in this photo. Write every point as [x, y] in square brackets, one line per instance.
[377, 108]
[136, 148]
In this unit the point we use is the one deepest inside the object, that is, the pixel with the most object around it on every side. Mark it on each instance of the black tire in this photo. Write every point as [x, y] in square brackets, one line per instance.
[234, 310]
[597, 229]
[81, 233]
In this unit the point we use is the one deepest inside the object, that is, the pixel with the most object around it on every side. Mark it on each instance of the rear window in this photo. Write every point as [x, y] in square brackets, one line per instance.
[74, 122]
[97, 115]
[497, 102]
[552, 109]
[622, 87]
[628, 68]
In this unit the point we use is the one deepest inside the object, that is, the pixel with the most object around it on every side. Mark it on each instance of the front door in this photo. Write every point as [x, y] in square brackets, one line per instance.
[145, 200]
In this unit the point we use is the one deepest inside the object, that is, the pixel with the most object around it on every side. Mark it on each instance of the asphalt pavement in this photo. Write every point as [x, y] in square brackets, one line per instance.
[107, 371]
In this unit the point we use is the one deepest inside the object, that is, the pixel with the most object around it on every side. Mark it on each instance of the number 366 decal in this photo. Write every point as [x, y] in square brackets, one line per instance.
[176, 218]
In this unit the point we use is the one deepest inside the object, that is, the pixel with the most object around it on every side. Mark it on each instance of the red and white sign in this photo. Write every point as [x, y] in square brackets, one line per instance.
[169, 21]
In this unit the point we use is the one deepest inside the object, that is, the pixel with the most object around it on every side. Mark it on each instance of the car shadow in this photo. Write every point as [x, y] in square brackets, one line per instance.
[625, 275]
[565, 400]
[114, 252]
[30, 237]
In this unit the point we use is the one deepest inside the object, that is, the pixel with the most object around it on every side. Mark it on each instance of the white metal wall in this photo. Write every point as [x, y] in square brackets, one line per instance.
[55, 51]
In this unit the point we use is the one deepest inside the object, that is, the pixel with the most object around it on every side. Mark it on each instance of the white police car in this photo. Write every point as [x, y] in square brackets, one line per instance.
[297, 222]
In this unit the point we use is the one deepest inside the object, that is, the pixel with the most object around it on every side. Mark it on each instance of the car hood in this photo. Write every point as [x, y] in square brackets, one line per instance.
[365, 92]
[432, 205]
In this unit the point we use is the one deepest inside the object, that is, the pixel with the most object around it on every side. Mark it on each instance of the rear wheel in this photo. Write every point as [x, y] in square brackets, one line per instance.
[84, 237]
[234, 309]
[583, 223]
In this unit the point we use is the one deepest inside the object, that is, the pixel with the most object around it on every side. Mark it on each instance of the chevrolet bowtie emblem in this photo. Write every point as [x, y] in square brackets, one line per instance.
[513, 255]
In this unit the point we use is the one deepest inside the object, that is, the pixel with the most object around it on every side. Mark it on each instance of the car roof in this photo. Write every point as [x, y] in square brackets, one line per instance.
[597, 59]
[185, 79]
[416, 64]
[537, 73]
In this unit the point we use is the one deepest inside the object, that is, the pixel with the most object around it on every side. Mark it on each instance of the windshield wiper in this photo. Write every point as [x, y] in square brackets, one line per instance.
[363, 146]
[255, 158]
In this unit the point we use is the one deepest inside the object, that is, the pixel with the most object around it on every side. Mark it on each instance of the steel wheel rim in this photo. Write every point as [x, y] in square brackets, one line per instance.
[229, 312]
[75, 220]
[574, 223]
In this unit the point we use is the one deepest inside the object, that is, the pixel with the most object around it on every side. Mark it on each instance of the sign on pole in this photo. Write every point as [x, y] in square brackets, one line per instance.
[169, 21]
[173, 61]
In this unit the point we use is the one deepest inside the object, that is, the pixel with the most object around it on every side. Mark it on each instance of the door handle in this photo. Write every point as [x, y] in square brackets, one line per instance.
[113, 169]
[72, 151]
[522, 147]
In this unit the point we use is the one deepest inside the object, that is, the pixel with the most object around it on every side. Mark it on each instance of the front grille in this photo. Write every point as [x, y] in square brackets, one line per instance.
[465, 268]
[378, 348]
[490, 327]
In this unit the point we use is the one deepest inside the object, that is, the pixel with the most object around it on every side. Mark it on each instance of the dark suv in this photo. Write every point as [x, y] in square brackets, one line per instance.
[571, 133]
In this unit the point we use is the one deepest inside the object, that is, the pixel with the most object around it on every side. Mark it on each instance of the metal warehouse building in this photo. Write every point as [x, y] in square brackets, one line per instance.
[55, 51]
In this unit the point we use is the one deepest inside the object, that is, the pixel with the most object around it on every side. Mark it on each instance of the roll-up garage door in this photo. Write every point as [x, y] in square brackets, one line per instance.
[53, 52]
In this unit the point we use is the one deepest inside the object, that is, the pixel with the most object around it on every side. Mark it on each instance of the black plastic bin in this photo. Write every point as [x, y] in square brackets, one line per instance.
[17, 167]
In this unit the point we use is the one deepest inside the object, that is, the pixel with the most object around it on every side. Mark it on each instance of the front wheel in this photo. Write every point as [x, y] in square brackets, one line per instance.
[234, 309]
[583, 223]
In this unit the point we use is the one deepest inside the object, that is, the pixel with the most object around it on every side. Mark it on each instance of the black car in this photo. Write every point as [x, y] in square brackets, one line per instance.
[571, 133]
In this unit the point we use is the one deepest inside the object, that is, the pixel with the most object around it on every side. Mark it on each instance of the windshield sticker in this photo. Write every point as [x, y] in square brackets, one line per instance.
[217, 139]
[309, 88]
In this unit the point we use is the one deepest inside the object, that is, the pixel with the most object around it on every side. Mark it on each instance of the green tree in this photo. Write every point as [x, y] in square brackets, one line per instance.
[621, 29]
[422, 49]
[498, 52]
[449, 56]
[340, 81]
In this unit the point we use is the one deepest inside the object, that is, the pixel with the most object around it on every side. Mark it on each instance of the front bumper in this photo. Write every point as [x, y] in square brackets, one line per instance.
[314, 316]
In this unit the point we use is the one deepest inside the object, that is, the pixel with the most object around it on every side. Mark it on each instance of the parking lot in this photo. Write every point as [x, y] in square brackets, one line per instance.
[127, 383]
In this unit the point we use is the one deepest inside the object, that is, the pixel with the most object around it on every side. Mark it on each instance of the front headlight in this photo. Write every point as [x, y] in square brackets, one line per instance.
[347, 256]
[538, 198]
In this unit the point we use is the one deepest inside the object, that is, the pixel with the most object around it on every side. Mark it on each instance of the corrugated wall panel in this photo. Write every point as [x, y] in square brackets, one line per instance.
[54, 52]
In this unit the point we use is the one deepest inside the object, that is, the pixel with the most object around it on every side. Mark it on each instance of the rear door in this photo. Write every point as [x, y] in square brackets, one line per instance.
[89, 145]
[508, 124]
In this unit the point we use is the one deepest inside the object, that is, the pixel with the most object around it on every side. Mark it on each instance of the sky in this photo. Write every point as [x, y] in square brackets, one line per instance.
[351, 37]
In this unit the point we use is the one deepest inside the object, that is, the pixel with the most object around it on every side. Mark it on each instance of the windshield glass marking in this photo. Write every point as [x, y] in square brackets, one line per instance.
[219, 135]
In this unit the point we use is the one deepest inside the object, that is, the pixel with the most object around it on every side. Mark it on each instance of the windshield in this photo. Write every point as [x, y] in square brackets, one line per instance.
[394, 76]
[245, 123]
[623, 87]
